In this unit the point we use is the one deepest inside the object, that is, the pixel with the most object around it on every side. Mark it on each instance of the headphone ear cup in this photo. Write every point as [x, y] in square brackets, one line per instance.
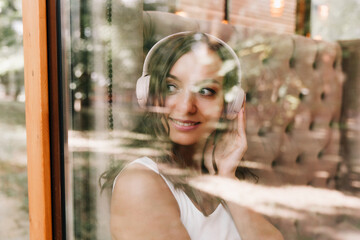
[234, 107]
[142, 90]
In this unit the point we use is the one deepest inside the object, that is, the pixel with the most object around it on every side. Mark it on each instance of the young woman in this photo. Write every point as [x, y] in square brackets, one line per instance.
[190, 91]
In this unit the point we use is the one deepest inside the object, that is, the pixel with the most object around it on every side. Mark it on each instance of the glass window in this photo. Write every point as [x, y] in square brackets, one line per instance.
[294, 174]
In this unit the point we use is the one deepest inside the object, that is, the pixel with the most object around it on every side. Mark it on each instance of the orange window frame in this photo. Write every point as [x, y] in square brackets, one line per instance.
[43, 124]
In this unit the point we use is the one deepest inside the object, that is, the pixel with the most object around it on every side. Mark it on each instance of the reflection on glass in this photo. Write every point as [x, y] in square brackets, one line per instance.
[14, 219]
[293, 100]
[102, 56]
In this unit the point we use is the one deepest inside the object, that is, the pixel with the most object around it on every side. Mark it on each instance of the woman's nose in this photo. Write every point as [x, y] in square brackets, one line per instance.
[187, 103]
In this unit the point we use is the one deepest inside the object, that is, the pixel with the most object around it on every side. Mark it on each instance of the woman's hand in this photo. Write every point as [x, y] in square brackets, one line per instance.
[229, 149]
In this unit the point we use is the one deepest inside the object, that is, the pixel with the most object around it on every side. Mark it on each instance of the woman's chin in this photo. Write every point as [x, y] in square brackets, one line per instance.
[188, 140]
[184, 142]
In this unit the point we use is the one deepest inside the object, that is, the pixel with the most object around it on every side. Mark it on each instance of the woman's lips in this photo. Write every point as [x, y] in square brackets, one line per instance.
[184, 125]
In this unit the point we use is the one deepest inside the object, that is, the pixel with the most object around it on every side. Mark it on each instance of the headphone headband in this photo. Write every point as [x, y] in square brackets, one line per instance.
[224, 44]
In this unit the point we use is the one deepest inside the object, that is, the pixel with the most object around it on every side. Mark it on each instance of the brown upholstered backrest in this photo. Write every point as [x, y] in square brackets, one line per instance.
[294, 87]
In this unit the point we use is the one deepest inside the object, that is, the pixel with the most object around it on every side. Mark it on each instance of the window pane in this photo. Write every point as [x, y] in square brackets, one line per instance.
[296, 174]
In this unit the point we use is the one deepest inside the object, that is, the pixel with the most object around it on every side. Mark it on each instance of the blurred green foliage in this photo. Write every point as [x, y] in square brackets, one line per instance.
[11, 50]
[10, 23]
[13, 182]
[15, 113]
[84, 198]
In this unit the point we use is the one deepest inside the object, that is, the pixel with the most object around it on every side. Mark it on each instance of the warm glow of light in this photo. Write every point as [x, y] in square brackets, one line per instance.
[98, 142]
[181, 13]
[277, 7]
[282, 201]
[77, 105]
[355, 184]
[225, 21]
[317, 37]
[323, 11]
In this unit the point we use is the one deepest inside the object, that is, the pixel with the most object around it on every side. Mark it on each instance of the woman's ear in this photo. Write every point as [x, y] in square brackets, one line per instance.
[142, 90]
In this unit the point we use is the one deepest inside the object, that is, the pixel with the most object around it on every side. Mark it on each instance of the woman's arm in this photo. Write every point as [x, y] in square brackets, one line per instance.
[143, 207]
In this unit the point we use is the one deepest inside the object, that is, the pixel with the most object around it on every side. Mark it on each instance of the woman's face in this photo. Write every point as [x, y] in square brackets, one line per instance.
[194, 96]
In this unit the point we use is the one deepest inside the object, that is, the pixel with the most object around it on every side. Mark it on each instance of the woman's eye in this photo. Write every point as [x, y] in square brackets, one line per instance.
[171, 88]
[207, 92]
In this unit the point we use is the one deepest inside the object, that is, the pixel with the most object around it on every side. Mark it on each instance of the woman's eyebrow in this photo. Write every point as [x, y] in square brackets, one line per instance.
[173, 77]
[208, 81]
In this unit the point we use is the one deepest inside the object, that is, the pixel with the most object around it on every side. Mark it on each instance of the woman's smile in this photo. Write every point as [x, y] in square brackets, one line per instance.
[184, 125]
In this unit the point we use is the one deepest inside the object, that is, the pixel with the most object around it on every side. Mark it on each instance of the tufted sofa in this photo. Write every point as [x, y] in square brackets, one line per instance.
[294, 92]
[294, 88]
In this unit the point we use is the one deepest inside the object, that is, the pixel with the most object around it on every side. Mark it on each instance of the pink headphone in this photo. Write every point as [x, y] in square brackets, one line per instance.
[234, 97]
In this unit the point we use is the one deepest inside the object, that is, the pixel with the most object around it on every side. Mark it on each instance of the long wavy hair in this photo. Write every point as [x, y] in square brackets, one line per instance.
[151, 123]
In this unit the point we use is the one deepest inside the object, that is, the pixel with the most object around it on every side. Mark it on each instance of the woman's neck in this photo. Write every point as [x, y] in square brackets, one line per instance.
[190, 156]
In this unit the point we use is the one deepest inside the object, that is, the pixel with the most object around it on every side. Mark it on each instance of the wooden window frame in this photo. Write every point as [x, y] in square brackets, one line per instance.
[44, 119]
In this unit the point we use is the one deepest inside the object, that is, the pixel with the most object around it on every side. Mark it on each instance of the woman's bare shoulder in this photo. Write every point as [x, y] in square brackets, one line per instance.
[143, 205]
[137, 180]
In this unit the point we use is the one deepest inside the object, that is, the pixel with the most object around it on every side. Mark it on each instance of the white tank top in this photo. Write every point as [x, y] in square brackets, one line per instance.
[217, 226]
